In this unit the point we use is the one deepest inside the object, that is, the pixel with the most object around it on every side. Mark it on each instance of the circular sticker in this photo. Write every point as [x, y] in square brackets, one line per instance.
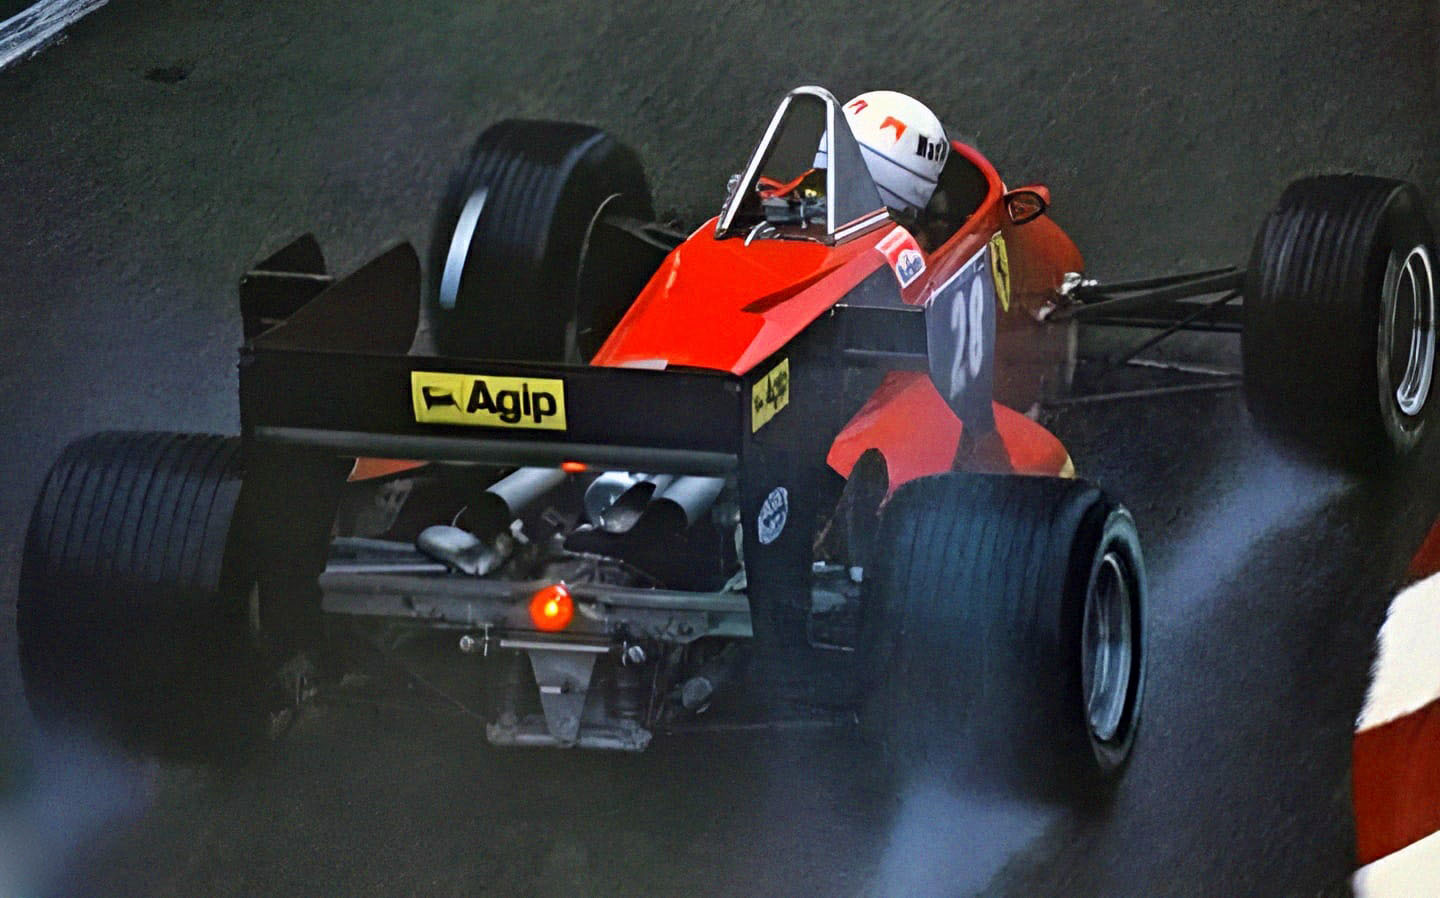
[773, 514]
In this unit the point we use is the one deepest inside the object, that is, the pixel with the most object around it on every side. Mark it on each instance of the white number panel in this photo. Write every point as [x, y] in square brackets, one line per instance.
[960, 328]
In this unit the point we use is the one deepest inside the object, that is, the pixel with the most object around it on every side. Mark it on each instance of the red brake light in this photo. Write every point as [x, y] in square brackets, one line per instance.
[573, 467]
[552, 608]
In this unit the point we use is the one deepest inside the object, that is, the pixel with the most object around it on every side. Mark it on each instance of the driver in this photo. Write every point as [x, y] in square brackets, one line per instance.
[904, 146]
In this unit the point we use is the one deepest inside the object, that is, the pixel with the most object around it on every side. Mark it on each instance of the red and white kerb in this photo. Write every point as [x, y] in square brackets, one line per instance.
[1396, 755]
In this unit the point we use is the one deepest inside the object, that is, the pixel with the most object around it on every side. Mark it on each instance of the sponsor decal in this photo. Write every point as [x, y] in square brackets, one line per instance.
[903, 253]
[774, 511]
[1000, 269]
[909, 267]
[933, 150]
[481, 400]
[899, 126]
[769, 395]
[857, 105]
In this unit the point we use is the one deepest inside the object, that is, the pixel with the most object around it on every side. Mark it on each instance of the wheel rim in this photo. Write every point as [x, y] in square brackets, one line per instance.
[1108, 647]
[459, 250]
[1411, 302]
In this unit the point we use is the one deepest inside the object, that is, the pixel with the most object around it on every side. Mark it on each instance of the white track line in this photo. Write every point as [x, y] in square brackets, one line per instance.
[30, 30]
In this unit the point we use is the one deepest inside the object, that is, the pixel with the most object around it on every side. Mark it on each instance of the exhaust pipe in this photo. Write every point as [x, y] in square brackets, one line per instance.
[486, 549]
[507, 498]
[603, 491]
[615, 500]
[692, 495]
[521, 488]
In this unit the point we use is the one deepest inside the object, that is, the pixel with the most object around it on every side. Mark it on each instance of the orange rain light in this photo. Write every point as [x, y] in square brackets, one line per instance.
[552, 608]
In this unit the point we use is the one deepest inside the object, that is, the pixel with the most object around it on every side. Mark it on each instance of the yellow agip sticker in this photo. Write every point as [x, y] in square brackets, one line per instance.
[1000, 268]
[482, 400]
[769, 395]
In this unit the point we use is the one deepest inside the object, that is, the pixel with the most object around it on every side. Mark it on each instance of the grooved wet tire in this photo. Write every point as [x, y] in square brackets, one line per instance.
[509, 237]
[131, 612]
[984, 608]
[1339, 320]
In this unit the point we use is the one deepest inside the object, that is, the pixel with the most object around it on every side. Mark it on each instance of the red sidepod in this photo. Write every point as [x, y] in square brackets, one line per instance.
[913, 427]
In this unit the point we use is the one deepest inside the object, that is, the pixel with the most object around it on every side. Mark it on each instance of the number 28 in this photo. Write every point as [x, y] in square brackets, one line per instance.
[969, 353]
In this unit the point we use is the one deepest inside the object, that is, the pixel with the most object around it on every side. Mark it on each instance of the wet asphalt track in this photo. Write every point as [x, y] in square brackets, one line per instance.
[129, 206]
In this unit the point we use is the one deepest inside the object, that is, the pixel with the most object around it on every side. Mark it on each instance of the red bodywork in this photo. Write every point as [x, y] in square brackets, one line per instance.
[726, 306]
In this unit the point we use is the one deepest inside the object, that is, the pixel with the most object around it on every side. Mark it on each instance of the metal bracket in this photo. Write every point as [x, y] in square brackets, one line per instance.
[564, 681]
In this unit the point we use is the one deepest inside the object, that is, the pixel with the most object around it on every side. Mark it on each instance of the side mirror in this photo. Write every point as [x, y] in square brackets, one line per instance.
[1027, 203]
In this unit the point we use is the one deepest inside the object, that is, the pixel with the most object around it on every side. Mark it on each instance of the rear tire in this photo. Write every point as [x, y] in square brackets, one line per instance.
[132, 608]
[1339, 333]
[511, 236]
[1005, 633]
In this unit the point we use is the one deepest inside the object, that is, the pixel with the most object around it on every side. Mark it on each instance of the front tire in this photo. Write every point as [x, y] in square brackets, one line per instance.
[1005, 634]
[515, 227]
[1340, 311]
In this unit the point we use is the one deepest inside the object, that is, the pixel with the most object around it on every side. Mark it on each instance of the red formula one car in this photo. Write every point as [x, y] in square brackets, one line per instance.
[619, 468]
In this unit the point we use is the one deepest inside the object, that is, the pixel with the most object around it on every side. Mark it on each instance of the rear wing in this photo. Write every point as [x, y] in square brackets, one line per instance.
[333, 368]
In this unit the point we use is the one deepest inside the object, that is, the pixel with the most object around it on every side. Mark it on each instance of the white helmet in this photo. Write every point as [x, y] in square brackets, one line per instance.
[903, 143]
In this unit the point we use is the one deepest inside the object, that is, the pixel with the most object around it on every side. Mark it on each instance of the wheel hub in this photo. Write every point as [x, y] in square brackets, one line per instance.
[1411, 301]
[1108, 647]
